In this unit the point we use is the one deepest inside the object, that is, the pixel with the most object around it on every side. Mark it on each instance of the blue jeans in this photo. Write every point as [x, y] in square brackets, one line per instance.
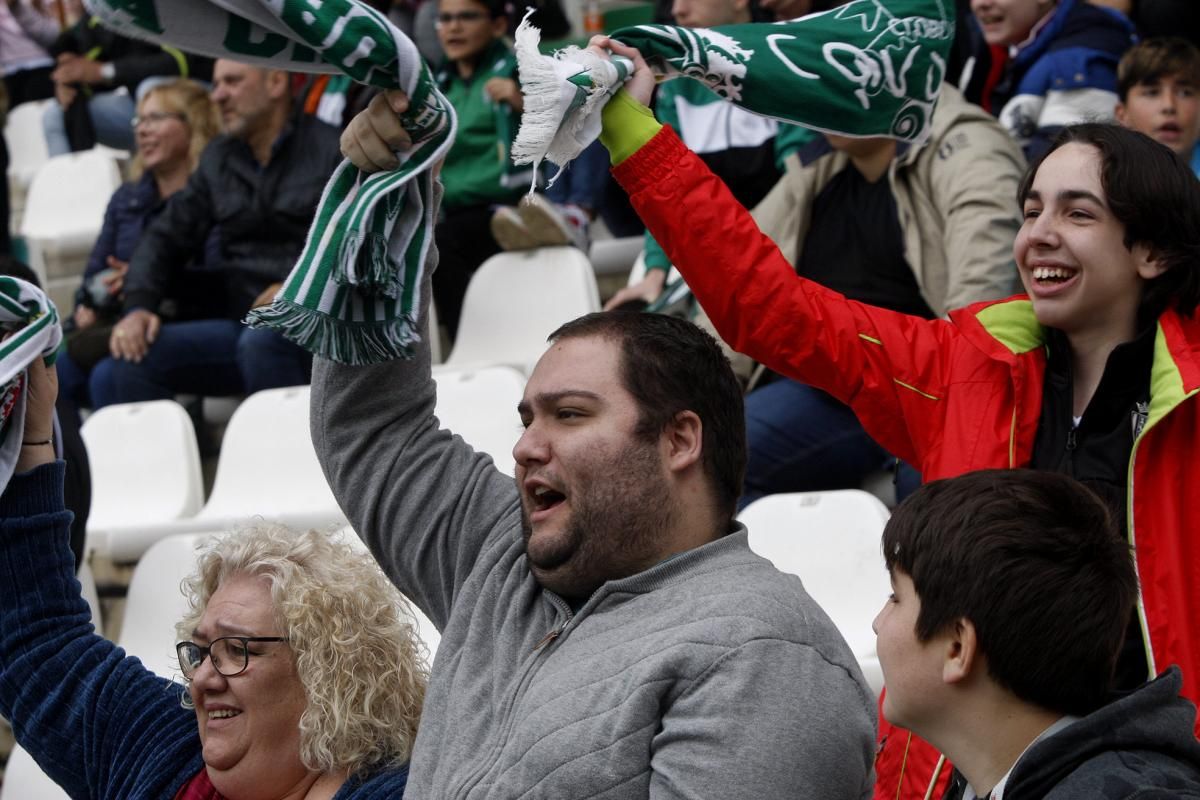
[111, 114]
[802, 440]
[582, 182]
[212, 357]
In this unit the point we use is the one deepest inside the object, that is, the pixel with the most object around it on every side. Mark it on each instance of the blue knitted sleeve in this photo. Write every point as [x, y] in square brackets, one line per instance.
[97, 722]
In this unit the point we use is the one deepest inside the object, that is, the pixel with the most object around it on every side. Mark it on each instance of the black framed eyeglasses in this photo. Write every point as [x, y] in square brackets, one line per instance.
[230, 655]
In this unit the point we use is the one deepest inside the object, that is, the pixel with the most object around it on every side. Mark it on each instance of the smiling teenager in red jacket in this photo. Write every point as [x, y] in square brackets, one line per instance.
[1093, 372]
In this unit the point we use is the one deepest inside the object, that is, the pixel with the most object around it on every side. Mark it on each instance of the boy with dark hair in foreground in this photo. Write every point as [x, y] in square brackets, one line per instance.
[1011, 595]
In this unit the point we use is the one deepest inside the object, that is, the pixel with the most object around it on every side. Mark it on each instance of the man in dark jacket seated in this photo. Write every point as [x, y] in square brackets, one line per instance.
[1012, 592]
[259, 184]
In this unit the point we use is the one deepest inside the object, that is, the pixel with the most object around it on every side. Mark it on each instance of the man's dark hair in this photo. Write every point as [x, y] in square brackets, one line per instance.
[1153, 59]
[669, 365]
[1034, 561]
[1156, 197]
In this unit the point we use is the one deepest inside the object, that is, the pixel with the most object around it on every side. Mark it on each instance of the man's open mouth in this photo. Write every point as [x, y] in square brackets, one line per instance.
[544, 498]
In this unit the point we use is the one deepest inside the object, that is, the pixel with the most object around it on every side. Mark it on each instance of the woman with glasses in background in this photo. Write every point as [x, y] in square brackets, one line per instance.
[303, 677]
[175, 121]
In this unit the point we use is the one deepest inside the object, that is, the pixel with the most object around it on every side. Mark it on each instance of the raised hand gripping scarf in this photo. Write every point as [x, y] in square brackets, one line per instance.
[868, 68]
[353, 295]
[26, 311]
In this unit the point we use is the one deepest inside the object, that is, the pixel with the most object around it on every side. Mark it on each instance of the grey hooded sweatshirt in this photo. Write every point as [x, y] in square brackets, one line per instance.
[709, 675]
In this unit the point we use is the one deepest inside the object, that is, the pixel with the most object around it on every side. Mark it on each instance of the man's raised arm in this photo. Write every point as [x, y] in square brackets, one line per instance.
[423, 500]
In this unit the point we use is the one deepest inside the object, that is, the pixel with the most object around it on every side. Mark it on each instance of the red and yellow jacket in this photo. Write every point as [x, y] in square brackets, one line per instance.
[948, 396]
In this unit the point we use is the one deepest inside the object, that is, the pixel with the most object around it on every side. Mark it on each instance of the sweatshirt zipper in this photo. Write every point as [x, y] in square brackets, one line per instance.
[510, 705]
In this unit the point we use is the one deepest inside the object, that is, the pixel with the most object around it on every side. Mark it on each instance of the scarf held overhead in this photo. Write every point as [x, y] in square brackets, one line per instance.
[31, 318]
[868, 68]
[353, 295]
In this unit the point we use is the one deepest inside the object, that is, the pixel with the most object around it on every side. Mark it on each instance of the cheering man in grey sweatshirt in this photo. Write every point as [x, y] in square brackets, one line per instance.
[606, 630]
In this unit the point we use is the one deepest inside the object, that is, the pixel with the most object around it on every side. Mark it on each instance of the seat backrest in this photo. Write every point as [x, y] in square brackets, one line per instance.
[145, 469]
[480, 405]
[515, 300]
[69, 195]
[26, 140]
[268, 467]
[154, 603]
[831, 541]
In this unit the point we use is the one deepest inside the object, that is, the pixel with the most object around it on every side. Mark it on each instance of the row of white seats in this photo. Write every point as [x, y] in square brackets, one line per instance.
[146, 478]
[267, 466]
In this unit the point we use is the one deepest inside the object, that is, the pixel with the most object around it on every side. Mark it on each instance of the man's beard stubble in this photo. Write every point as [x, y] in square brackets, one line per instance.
[620, 512]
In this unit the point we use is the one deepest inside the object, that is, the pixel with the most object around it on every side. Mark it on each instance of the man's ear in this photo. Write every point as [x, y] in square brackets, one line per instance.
[279, 83]
[683, 441]
[1119, 113]
[499, 26]
[961, 652]
[1149, 264]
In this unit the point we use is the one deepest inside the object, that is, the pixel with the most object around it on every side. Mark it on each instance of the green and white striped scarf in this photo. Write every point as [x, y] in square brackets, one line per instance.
[867, 68]
[29, 314]
[353, 295]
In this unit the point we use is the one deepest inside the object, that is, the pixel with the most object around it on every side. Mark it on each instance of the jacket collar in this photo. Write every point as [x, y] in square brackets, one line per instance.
[1007, 330]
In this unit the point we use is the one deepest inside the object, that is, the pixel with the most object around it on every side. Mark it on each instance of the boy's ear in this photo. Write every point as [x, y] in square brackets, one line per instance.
[1149, 264]
[499, 26]
[961, 652]
[1119, 113]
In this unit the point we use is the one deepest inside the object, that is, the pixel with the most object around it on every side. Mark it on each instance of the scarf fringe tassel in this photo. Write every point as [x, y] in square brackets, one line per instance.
[347, 342]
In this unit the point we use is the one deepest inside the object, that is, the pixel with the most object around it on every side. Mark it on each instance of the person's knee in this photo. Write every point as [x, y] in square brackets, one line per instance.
[267, 360]
[253, 350]
[52, 119]
[106, 379]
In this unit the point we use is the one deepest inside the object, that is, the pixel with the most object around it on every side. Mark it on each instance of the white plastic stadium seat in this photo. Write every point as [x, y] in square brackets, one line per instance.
[480, 405]
[65, 208]
[831, 541]
[615, 256]
[145, 473]
[154, 603]
[268, 468]
[26, 143]
[515, 300]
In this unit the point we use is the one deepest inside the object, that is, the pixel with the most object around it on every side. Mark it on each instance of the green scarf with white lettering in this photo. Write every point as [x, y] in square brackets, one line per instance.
[867, 68]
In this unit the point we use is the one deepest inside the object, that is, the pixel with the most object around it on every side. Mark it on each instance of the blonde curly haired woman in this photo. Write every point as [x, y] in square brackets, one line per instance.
[304, 677]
